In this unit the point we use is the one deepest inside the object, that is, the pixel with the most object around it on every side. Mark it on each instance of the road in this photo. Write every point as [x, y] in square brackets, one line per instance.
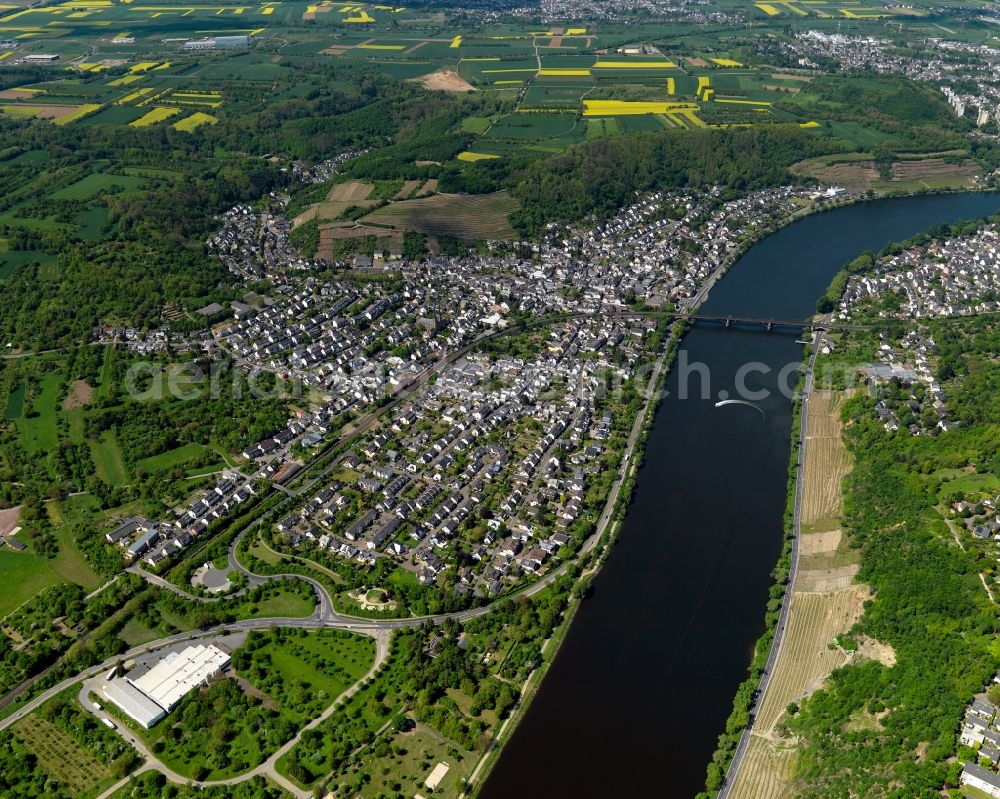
[786, 602]
[266, 769]
[325, 616]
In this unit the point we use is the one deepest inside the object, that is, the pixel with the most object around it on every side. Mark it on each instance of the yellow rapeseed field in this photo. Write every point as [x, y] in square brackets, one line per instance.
[197, 119]
[125, 80]
[635, 65]
[615, 108]
[563, 73]
[154, 115]
[82, 111]
[468, 156]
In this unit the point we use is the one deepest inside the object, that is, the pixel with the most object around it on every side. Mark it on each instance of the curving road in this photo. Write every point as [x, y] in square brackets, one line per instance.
[266, 769]
[323, 617]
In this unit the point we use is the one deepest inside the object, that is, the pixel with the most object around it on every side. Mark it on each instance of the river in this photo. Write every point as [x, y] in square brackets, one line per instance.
[643, 683]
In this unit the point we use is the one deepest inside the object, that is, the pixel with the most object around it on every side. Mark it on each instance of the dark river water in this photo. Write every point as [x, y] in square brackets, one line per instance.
[643, 683]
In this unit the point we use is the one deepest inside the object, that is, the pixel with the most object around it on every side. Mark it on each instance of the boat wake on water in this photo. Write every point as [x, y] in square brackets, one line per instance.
[749, 404]
[757, 427]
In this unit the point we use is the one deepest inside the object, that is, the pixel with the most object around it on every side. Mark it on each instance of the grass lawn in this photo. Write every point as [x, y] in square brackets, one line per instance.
[105, 382]
[75, 419]
[345, 476]
[70, 563]
[284, 606]
[266, 554]
[412, 757]
[307, 659]
[91, 221]
[171, 458]
[200, 471]
[135, 633]
[87, 187]
[971, 484]
[108, 459]
[35, 157]
[24, 574]
[974, 793]
[38, 426]
[15, 401]
[475, 124]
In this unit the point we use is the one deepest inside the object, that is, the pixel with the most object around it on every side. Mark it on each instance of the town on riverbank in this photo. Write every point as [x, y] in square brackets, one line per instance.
[347, 445]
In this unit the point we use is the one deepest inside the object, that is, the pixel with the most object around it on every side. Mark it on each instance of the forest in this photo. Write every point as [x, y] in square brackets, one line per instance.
[601, 176]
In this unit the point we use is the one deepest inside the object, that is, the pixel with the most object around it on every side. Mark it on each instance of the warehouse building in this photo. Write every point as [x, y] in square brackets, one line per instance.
[133, 702]
[150, 696]
[169, 681]
[218, 43]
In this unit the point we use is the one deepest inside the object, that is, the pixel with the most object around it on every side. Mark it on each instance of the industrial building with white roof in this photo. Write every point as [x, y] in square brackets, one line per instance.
[148, 698]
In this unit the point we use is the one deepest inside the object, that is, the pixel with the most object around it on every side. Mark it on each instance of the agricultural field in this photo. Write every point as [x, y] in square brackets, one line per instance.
[126, 66]
[804, 662]
[462, 216]
[830, 9]
[61, 757]
[815, 621]
[766, 771]
[154, 115]
[340, 197]
[858, 172]
[195, 120]
[827, 462]
[820, 610]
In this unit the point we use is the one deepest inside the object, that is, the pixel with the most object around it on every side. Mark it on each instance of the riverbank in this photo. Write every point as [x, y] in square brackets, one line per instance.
[660, 630]
[822, 603]
[818, 207]
[596, 549]
[755, 711]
